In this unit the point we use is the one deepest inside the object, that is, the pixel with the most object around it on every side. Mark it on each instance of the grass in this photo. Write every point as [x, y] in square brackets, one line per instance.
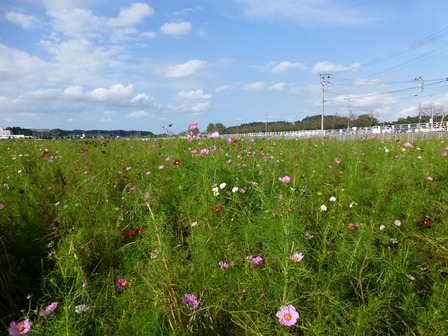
[69, 208]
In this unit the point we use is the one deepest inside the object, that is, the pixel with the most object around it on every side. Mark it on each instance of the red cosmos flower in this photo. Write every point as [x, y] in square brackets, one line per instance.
[426, 221]
[43, 154]
[217, 208]
[139, 230]
[129, 233]
[169, 125]
[176, 162]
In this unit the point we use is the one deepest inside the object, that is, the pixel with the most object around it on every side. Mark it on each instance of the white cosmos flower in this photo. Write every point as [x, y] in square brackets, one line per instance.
[323, 207]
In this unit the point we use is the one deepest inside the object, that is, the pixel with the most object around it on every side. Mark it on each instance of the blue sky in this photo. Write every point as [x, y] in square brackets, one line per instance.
[107, 64]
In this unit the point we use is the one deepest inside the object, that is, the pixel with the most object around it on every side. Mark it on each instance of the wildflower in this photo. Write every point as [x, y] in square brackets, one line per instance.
[128, 168]
[129, 233]
[222, 185]
[121, 283]
[192, 126]
[167, 158]
[160, 167]
[287, 315]
[397, 222]
[139, 230]
[176, 162]
[351, 227]
[146, 196]
[410, 277]
[229, 161]
[194, 224]
[85, 285]
[323, 207]
[337, 160]
[43, 154]
[257, 261]
[190, 138]
[332, 199]
[204, 151]
[190, 301]
[223, 265]
[429, 178]
[215, 191]
[296, 257]
[214, 135]
[20, 328]
[51, 308]
[284, 179]
[82, 309]
[444, 153]
[382, 227]
[217, 208]
[235, 189]
[308, 235]
[229, 140]
[426, 221]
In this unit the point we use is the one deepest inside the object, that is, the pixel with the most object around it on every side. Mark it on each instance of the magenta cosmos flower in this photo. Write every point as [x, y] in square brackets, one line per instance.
[257, 261]
[337, 160]
[287, 315]
[284, 179]
[51, 308]
[192, 126]
[190, 301]
[122, 283]
[20, 328]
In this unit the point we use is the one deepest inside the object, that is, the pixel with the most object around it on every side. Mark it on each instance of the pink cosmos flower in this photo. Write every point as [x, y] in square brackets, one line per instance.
[284, 179]
[287, 315]
[257, 261]
[397, 222]
[229, 140]
[2, 206]
[296, 257]
[214, 135]
[382, 227]
[337, 160]
[192, 126]
[20, 328]
[51, 308]
[429, 178]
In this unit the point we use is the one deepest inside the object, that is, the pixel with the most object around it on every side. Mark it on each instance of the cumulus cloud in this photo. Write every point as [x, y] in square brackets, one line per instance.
[132, 15]
[142, 99]
[138, 115]
[286, 66]
[185, 69]
[23, 20]
[260, 86]
[193, 95]
[176, 29]
[116, 92]
[73, 92]
[326, 66]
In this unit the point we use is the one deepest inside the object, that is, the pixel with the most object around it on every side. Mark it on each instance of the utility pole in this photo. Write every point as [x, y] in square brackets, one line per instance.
[323, 77]
[420, 89]
[349, 114]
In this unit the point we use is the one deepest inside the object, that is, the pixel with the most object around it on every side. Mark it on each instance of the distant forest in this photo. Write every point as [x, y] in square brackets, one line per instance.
[308, 123]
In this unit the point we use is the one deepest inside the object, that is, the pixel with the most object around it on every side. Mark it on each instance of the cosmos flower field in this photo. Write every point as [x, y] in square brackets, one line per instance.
[224, 236]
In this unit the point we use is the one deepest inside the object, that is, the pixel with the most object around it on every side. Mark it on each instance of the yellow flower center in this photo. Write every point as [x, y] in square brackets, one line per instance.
[296, 258]
[20, 329]
[124, 283]
[287, 317]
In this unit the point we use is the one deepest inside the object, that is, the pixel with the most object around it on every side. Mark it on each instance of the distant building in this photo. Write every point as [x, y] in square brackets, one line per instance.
[7, 134]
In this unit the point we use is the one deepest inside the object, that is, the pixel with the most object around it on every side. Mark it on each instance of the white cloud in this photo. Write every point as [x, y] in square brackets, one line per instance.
[149, 34]
[138, 115]
[185, 69]
[326, 66]
[73, 92]
[116, 92]
[260, 86]
[106, 120]
[286, 66]
[193, 95]
[132, 15]
[23, 20]
[176, 29]
[142, 99]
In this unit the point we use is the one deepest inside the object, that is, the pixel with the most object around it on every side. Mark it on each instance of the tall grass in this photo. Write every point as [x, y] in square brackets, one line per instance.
[79, 215]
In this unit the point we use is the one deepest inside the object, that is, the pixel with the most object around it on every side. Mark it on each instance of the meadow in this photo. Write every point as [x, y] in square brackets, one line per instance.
[224, 236]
